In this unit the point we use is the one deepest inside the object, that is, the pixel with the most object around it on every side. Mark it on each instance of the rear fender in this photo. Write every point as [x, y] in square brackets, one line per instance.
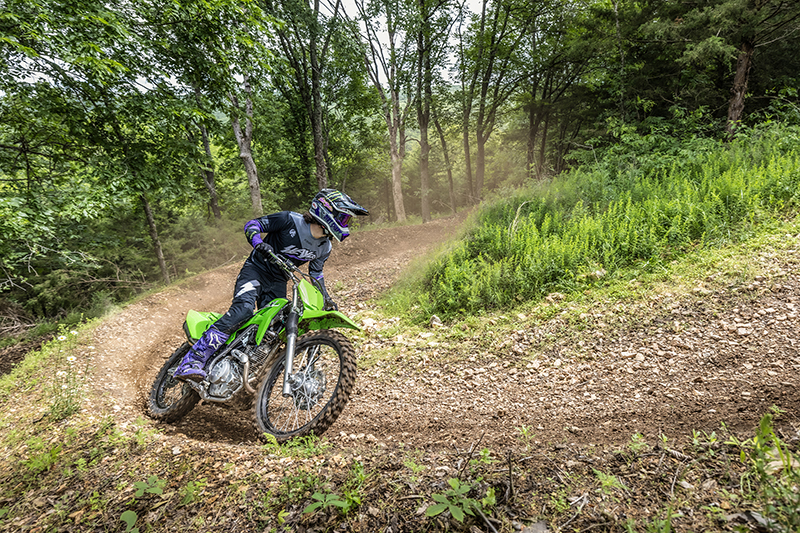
[197, 322]
[314, 320]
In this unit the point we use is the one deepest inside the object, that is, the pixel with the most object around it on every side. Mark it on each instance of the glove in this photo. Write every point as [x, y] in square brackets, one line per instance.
[264, 250]
[330, 305]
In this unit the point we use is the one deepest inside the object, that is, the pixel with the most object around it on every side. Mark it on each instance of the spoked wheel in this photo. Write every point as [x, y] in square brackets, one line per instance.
[323, 376]
[171, 399]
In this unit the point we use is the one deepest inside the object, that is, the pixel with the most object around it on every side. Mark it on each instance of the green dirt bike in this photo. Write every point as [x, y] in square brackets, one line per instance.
[305, 371]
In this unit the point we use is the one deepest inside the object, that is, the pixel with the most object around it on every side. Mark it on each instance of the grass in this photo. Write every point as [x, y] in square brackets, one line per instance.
[592, 227]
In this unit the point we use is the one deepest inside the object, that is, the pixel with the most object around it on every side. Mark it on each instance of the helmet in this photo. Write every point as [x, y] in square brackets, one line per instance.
[332, 210]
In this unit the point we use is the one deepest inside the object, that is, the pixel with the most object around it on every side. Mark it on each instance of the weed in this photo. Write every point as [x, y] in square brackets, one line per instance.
[300, 447]
[191, 491]
[778, 473]
[153, 485]
[130, 518]
[526, 435]
[484, 457]
[558, 501]
[638, 444]
[97, 502]
[324, 501]
[354, 488]
[43, 459]
[414, 467]
[608, 482]
[67, 383]
[455, 501]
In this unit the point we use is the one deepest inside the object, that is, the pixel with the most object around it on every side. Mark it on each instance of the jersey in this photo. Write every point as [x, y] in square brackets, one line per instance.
[289, 235]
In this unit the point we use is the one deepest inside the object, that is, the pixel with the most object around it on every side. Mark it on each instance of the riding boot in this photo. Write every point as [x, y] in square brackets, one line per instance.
[191, 366]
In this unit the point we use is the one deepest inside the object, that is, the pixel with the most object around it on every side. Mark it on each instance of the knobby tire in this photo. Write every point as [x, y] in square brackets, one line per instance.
[171, 399]
[279, 417]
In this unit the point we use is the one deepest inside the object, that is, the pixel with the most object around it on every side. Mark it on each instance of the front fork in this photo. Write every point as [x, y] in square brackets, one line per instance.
[291, 339]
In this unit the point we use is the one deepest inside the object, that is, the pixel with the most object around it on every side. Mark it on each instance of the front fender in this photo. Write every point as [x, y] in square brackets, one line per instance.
[314, 320]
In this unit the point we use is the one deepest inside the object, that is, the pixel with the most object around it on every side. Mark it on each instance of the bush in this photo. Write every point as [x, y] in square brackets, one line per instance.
[592, 222]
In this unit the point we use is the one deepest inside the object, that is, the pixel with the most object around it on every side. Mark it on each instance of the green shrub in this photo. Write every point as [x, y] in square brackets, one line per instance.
[592, 222]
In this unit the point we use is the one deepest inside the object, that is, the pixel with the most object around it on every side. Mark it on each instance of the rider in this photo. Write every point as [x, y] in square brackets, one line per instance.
[298, 237]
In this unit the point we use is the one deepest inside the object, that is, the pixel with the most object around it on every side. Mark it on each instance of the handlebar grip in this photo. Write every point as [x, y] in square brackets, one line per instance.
[281, 262]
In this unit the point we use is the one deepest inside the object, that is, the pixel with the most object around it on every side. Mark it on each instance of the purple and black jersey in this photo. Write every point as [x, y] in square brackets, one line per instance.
[290, 236]
[260, 281]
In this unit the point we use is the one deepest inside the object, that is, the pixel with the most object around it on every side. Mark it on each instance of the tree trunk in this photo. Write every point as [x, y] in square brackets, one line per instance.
[209, 178]
[543, 147]
[467, 157]
[207, 172]
[480, 165]
[447, 163]
[317, 128]
[397, 178]
[244, 140]
[423, 116]
[739, 89]
[151, 224]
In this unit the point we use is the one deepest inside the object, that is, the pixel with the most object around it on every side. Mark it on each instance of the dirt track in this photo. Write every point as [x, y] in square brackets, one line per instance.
[682, 364]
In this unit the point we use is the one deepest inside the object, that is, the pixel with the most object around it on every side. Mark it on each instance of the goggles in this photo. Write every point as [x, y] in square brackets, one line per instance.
[343, 219]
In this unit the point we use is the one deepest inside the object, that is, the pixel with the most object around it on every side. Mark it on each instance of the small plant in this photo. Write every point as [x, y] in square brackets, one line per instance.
[638, 444]
[490, 500]
[526, 435]
[354, 487]
[414, 467]
[455, 501]
[558, 501]
[778, 473]
[190, 492]
[153, 485]
[661, 526]
[324, 501]
[130, 518]
[67, 384]
[484, 457]
[608, 482]
[44, 458]
[300, 447]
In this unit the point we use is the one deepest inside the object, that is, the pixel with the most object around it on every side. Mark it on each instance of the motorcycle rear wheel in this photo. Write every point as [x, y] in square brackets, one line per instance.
[171, 399]
[325, 371]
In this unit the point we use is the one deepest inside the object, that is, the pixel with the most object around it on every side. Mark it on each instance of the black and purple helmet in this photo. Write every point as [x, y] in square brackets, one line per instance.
[333, 210]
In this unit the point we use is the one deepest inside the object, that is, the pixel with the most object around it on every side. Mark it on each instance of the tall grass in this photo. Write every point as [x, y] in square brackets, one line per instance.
[621, 212]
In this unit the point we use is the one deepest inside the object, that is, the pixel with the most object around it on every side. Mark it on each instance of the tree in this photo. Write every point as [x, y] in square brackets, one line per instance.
[731, 31]
[388, 63]
[207, 47]
[491, 62]
[433, 24]
[556, 56]
[306, 43]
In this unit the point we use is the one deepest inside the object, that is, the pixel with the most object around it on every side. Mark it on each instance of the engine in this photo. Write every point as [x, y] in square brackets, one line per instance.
[225, 378]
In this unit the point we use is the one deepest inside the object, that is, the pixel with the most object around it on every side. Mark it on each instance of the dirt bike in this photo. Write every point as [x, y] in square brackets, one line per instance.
[305, 371]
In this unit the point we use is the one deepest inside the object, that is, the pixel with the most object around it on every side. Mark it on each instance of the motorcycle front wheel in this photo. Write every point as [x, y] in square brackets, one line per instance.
[323, 377]
[171, 399]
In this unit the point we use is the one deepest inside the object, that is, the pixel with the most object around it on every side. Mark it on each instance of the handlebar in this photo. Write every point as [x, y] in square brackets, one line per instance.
[290, 268]
[283, 263]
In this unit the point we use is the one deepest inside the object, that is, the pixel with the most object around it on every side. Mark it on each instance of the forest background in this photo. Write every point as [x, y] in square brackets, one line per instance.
[137, 137]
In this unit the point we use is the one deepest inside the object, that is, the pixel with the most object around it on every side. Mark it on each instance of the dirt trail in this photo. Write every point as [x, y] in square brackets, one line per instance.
[132, 346]
[682, 364]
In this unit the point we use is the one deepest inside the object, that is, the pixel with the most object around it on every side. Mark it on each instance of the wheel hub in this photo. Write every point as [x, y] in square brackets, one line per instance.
[308, 388]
